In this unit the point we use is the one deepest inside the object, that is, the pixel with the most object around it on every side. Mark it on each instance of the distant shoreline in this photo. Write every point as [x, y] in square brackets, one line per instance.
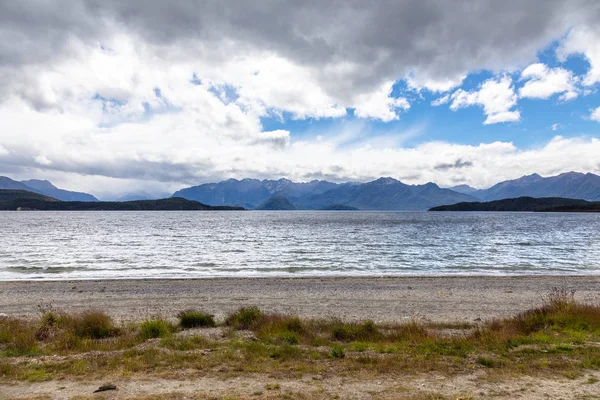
[384, 299]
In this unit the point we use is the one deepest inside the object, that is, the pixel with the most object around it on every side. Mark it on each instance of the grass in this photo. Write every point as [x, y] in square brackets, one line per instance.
[157, 328]
[195, 319]
[245, 318]
[560, 339]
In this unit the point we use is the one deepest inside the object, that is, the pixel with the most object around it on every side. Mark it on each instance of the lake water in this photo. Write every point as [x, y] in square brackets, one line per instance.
[85, 245]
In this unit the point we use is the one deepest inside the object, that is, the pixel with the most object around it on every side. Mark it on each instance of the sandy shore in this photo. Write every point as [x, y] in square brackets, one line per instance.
[381, 299]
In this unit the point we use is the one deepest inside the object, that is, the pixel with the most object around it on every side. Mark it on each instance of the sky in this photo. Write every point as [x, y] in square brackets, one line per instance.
[113, 97]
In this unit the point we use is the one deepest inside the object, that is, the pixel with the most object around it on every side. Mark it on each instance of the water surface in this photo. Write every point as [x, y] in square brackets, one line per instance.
[86, 245]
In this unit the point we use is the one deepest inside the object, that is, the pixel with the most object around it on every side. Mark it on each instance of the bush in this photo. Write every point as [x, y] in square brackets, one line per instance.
[17, 336]
[289, 337]
[195, 319]
[559, 299]
[350, 332]
[337, 352]
[485, 361]
[244, 318]
[89, 324]
[93, 325]
[157, 328]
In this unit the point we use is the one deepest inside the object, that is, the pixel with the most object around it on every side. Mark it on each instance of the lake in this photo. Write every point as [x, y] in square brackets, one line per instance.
[88, 245]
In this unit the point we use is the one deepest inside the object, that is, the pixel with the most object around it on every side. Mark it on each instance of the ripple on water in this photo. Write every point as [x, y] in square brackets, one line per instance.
[71, 245]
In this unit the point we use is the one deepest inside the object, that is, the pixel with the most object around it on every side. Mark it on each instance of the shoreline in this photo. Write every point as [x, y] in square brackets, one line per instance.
[382, 299]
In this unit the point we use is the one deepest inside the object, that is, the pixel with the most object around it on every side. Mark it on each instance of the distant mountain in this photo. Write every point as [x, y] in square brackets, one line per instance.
[45, 188]
[7, 183]
[338, 207]
[466, 189]
[170, 204]
[381, 194]
[276, 203]
[250, 193]
[135, 196]
[11, 195]
[574, 185]
[523, 204]
[386, 194]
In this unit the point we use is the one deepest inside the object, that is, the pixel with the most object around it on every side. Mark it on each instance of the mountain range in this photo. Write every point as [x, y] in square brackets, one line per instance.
[45, 188]
[574, 185]
[380, 194]
[388, 193]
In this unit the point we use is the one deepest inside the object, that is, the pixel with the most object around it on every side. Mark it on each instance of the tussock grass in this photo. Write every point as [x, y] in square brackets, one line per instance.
[559, 338]
[156, 328]
[245, 318]
[195, 319]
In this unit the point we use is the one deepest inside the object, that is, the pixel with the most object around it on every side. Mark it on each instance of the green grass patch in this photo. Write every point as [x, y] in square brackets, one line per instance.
[157, 328]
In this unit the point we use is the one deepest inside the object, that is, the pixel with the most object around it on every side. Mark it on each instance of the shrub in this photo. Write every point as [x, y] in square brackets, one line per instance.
[486, 362]
[88, 324]
[559, 299]
[17, 336]
[195, 319]
[93, 325]
[293, 324]
[337, 352]
[289, 337]
[350, 332]
[244, 318]
[157, 328]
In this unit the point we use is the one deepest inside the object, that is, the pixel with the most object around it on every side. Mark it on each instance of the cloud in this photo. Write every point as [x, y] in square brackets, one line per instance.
[543, 82]
[380, 104]
[136, 93]
[208, 140]
[595, 116]
[320, 61]
[456, 164]
[441, 100]
[555, 127]
[435, 86]
[584, 40]
[496, 96]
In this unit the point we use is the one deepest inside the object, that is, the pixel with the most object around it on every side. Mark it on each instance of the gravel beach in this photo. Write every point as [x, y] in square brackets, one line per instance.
[386, 299]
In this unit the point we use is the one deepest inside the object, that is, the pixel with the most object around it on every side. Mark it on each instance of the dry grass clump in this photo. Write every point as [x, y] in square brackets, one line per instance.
[17, 337]
[559, 313]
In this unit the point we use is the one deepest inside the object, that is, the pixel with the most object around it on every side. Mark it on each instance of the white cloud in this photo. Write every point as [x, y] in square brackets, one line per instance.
[379, 104]
[595, 116]
[416, 82]
[555, 127]
[496, 96]
[441, 100]
[543, 82]
[206, 140]
[586, 41]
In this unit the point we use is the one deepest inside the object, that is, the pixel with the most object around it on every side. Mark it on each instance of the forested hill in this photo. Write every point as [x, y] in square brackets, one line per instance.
[11, 195]
[524, 204]
[171, 204]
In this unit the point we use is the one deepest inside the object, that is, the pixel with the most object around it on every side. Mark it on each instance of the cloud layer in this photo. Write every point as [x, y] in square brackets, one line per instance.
[143, 92]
